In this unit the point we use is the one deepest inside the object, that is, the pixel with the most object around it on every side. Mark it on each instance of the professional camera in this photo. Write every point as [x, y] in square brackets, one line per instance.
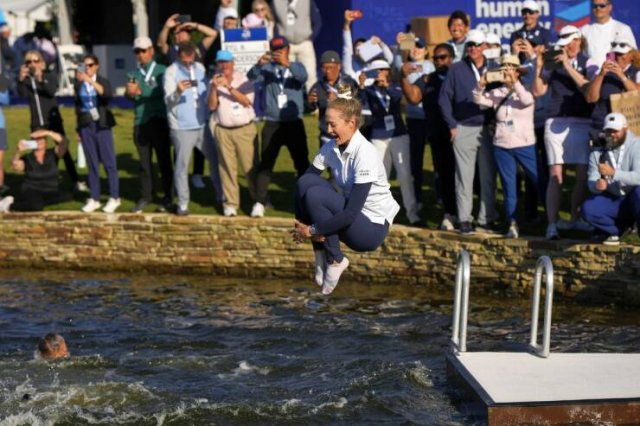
[600, 141]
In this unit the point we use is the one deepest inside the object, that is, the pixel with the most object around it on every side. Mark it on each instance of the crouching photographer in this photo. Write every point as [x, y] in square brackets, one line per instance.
[614, 180]
[39, 163]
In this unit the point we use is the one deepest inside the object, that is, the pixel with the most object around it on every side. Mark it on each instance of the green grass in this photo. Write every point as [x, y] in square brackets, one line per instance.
[202, 201]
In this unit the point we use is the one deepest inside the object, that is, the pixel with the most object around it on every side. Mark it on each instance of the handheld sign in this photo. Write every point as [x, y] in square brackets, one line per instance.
[247, 46]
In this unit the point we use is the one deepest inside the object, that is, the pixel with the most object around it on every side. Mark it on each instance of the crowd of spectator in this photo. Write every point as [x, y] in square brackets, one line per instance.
[526, 113]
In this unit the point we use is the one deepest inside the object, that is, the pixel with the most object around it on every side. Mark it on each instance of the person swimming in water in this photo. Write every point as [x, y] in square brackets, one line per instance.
[52, 346]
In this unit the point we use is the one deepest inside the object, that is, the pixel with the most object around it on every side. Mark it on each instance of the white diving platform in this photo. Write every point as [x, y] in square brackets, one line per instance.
[539, 387]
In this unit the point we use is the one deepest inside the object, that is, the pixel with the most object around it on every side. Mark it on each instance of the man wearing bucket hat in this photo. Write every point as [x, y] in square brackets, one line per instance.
[614, 180]
[603, 31]
[150, 131]
[617, 75]
[470, 135]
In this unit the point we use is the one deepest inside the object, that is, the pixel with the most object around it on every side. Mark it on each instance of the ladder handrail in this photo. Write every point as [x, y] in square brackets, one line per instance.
[543, 265]
[461, 303]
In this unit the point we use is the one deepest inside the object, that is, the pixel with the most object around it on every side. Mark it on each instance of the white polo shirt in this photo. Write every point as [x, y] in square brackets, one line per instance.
[600, 36]
[360, 163]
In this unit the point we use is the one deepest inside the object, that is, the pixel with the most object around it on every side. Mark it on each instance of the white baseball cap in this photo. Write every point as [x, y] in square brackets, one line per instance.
[475, 36]
[615, 121]
[531, 5]
[142, 43]
[492, 38]
[567, 34]
[623, 45]
[378, 64]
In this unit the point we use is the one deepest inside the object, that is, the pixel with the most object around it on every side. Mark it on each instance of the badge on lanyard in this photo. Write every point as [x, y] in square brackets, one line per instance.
[236, 109]
[95, 115]
[291, 19]
[389, 123]
[282, 100]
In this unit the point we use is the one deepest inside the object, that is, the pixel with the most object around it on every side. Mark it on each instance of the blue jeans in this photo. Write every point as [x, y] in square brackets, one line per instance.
[507, 161]
[98, 147]
[612, 214]
[317, 201]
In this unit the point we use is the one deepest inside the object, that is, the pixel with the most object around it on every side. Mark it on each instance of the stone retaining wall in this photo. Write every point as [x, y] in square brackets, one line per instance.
[248, 247]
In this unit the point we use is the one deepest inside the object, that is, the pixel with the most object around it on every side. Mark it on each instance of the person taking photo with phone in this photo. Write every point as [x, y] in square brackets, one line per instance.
[39, 163]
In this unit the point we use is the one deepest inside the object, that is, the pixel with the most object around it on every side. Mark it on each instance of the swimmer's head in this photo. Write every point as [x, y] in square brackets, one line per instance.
[52, 346]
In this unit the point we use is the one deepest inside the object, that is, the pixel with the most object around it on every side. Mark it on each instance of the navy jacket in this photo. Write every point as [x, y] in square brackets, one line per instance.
[456, 98]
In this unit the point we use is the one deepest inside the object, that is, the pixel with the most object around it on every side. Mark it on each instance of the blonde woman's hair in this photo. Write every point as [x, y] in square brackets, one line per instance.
[37, 54]
[269, 14]
[347, 104]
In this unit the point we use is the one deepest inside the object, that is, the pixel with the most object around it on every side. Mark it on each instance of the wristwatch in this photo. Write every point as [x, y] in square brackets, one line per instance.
[312, 230]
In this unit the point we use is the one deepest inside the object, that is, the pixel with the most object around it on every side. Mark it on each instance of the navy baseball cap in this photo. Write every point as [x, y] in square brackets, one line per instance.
[278, 43]
[420, 42]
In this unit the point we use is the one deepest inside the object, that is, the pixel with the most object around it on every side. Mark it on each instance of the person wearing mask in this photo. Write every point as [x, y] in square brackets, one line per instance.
[39, 163]
[416, 124]
[150, 131]
[389, 133]
[458, 25]
[326, 90]
[600, 34]
[617, 75]
[95, 120]
[531, 32]
[185, 88]
[427, 89]
[39, 86]
[300, 22]
[614, 181]
[514, 138]
[361, 214]
[566, 135]
[470, 136]
[284, 85]
[231, 101]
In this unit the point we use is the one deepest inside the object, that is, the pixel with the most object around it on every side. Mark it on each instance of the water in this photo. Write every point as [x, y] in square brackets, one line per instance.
[187, 350]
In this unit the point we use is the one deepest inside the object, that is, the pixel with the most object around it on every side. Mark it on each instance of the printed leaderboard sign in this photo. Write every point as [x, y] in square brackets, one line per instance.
[246, 45]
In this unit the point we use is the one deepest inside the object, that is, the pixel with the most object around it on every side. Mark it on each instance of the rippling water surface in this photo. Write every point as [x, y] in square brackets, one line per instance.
[173, 350]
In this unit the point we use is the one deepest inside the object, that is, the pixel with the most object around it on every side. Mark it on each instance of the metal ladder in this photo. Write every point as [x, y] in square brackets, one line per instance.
[461, 305]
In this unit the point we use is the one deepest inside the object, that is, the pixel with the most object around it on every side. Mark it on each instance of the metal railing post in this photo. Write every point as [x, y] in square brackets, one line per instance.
[461, 303]
[543, 265]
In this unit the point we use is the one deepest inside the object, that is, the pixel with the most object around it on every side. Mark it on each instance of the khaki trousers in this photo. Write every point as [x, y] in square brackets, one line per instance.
[236, 145]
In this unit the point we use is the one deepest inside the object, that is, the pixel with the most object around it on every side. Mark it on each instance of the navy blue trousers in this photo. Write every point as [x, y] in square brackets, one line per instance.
[610, 214]
[317, 201]
[98, 148]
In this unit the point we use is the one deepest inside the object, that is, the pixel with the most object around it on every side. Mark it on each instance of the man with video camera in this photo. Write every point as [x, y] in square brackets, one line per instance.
[614, 180]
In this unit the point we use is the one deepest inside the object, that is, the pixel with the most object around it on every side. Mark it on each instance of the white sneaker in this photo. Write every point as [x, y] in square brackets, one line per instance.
[552, 232]
[332, 275]
[111, 205]
[5, 203]
[513, 231]
[82, 186]
[612, 240]
[197, 182]
[257, 210]
[320, 266]
[229, 211]
[447, 223]
[91, 206]
[412, 216]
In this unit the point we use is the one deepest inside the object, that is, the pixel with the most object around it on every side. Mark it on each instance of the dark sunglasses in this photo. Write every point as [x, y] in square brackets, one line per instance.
[441, 57]
[138, 51]
[31, 61]
[471, 44]
[90, 65]
[599, 5]
[528, 12]
[623, 45]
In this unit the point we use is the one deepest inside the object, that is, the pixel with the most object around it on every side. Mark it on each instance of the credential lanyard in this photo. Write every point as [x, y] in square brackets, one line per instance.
[91, 92]
[384, 99]
[146, 76]
[476, 72]
[282, 76]
[37, 98]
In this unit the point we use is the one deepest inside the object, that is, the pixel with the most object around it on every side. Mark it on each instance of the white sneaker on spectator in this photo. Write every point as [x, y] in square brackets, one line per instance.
[320, 266]
[513, 231]
[229, 211]
[332, 275]
[447, 223]
[197, 182]
[552, 232]
[5, 203]
[412, 216]
[82, 186]
[91, 206]
[612, 240]
[257, 210]
[111, 205]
